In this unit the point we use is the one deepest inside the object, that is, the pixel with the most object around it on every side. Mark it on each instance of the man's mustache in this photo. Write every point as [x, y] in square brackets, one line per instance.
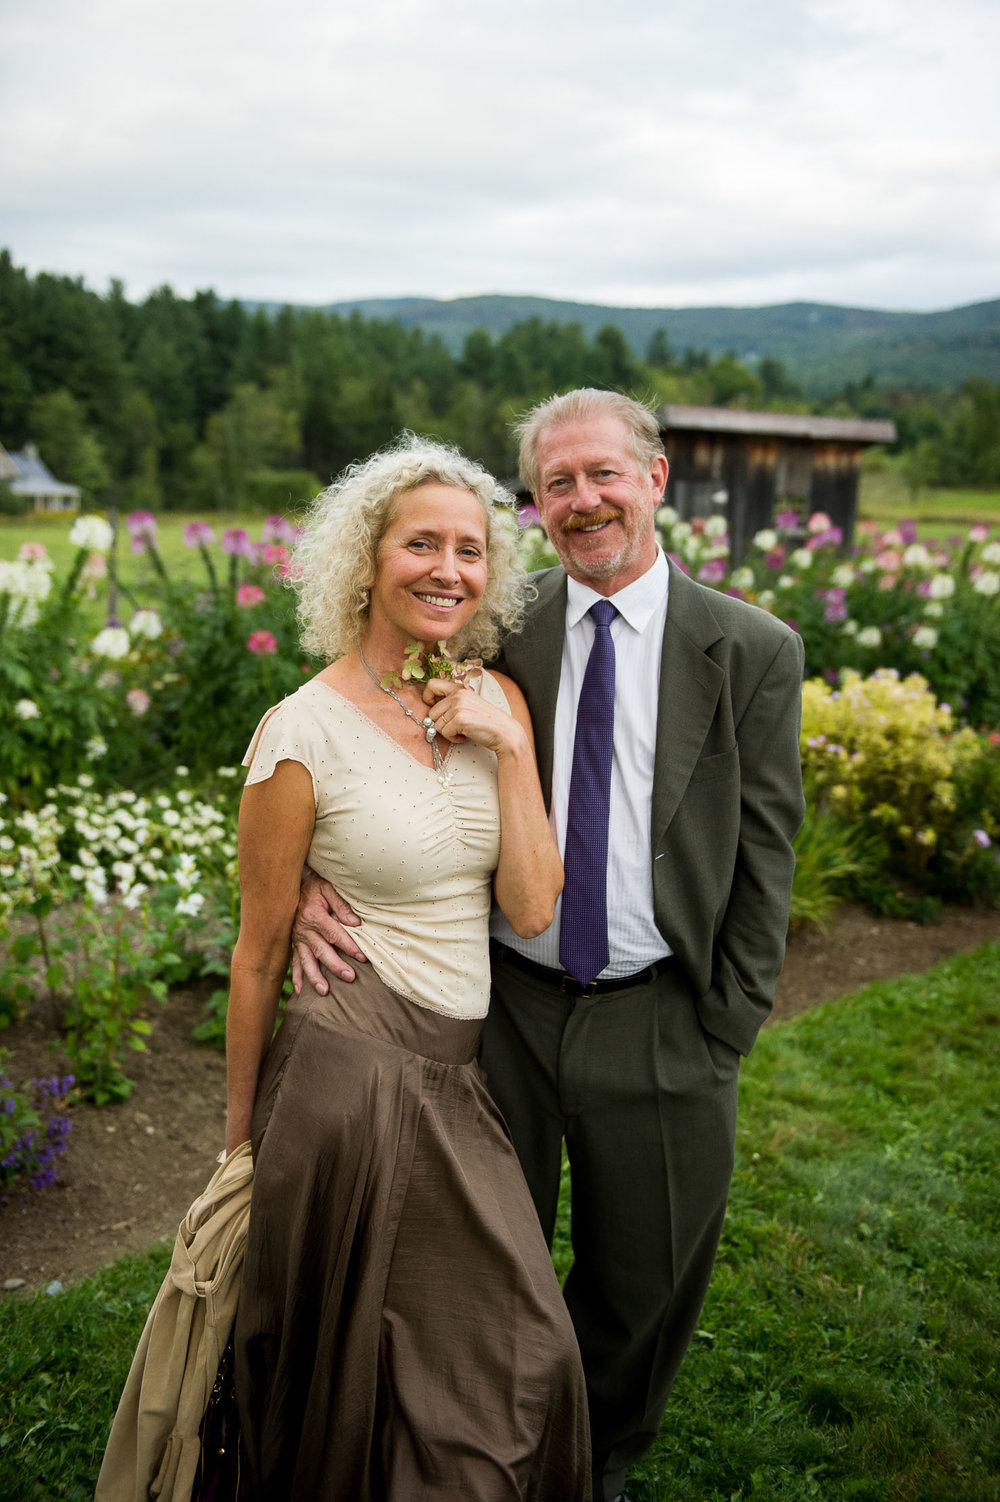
[592, 519]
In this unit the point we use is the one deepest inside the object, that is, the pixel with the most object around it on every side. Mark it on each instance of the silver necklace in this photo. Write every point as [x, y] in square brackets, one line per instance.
[426, 724]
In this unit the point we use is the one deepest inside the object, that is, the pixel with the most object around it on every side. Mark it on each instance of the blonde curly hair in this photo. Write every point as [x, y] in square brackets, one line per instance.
[335, 560]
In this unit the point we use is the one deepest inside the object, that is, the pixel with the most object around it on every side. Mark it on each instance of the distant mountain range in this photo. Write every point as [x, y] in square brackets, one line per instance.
[821, 346]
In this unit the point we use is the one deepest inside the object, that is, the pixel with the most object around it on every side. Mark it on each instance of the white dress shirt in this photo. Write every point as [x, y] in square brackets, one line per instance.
[634, 941]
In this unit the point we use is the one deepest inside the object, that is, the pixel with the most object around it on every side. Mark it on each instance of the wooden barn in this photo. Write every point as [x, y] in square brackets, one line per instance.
[740, 464]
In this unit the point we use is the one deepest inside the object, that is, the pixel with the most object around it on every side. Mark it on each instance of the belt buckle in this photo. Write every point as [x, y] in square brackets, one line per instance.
[582, 992]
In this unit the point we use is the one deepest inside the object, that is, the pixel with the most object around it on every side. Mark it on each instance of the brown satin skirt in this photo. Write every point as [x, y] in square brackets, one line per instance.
[401, 1335]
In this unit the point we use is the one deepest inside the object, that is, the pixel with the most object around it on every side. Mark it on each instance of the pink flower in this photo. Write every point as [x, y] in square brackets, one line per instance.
[249, 594]
[982, 838]
[786, 521]
[142, 531]
[776, 558]
[32, 552]
[277, 529]
[892, 539]
[889, 558]
[198, 535]
[138, 701]
[262, 643]
[236, 542]
[527, 516]
[978, 533]
[819, 522]
[712, 572]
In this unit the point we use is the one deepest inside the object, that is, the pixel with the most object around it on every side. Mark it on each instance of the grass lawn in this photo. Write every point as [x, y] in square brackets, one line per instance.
[54, 532]
[850, 1345]
[884, 497]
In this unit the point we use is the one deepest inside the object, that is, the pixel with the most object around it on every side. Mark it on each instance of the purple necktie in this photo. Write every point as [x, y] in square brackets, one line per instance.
[583, 932]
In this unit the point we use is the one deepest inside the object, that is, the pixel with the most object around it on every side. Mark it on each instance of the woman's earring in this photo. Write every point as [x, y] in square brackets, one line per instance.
[365, 594]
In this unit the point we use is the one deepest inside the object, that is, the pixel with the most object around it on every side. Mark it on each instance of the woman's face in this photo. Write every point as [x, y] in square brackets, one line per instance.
[431, 565]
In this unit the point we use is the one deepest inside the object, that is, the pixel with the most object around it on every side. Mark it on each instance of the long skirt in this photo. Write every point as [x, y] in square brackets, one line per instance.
[401, 1336]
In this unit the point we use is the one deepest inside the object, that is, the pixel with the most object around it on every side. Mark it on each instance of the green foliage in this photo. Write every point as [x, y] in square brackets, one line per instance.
[833, 858]
[887, 760]
[110, 899]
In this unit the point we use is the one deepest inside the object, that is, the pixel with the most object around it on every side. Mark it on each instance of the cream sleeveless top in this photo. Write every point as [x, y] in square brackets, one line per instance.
[414, 859]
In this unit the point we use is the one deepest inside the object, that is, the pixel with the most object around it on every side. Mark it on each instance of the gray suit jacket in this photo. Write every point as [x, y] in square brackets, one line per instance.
[727, 788]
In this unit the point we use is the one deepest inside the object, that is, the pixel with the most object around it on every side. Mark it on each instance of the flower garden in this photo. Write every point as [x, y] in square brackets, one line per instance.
[125, 710]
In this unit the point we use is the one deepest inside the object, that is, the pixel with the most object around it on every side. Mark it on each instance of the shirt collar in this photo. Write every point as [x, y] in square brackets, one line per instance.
[636, 603]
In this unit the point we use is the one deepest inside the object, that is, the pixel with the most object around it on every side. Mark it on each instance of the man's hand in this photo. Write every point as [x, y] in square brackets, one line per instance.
[321, 929]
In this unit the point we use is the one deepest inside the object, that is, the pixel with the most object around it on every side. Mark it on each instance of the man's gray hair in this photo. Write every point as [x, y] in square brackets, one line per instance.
[586, 404]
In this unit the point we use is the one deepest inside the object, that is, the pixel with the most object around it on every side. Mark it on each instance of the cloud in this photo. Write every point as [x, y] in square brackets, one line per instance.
[837, 149]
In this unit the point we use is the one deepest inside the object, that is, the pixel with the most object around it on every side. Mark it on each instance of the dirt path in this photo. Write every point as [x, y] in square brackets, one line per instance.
[131, 1171]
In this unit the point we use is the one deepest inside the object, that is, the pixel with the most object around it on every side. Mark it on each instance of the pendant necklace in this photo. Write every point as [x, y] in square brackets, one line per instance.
[426, 724]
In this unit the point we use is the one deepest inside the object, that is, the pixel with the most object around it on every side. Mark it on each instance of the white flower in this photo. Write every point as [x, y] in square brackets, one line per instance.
[681, 532]
[867, 566]
[801, 558]
[716, 526]
[112, 642]
[991, 553]
[95, 748]
[766, 540]
[843, 576]
[766, 599]
[916, 556]
[849, 628]
[666, 516]
[787, 581]
[988, 583]
[871, 636]
[934, 608]
[171, 817]
[742, 578]
[27, 709]
[147, 623]
[226, 771]
[6, 843]
[942, 587]
[191, 905]
[925, 638]
[125, 872]
[92, 532]
[134, 895]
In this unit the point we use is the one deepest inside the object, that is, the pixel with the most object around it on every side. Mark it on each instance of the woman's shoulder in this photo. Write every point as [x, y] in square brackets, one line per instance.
[499, 688]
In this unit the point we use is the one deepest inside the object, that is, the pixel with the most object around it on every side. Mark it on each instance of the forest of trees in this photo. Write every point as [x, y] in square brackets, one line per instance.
[197, 404]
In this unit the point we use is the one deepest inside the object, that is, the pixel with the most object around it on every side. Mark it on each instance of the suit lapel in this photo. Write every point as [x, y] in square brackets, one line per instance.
[534, 660]
[690, 683]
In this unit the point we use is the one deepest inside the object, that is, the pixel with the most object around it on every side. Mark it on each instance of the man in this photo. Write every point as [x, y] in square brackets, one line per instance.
[667, 736]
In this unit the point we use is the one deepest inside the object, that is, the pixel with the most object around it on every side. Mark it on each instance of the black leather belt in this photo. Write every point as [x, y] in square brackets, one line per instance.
[568, 984]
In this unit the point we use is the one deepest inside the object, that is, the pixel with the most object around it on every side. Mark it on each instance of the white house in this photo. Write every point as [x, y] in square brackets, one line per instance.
[26, 474]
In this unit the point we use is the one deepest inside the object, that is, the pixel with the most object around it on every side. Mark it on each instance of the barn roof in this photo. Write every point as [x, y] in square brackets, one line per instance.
[673, 417]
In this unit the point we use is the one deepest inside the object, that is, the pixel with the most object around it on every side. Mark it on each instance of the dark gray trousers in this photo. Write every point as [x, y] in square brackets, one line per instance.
[646, 1101]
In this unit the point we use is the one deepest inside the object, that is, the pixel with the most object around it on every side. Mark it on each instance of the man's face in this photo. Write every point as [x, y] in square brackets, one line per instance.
[597, 502]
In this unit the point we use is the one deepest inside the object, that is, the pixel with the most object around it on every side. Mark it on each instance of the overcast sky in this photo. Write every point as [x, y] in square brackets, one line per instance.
[634, 152]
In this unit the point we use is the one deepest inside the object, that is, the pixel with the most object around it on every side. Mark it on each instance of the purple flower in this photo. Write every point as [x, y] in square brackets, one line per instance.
[236, 542]
[835, 604]
[786, 521]
[712, 572]
[198, 535]
[907, 531]
[775, 559]
[982, 838]
[527, 516]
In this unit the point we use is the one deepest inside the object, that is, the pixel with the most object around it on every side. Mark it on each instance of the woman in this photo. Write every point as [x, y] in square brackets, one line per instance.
[400, 1333]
